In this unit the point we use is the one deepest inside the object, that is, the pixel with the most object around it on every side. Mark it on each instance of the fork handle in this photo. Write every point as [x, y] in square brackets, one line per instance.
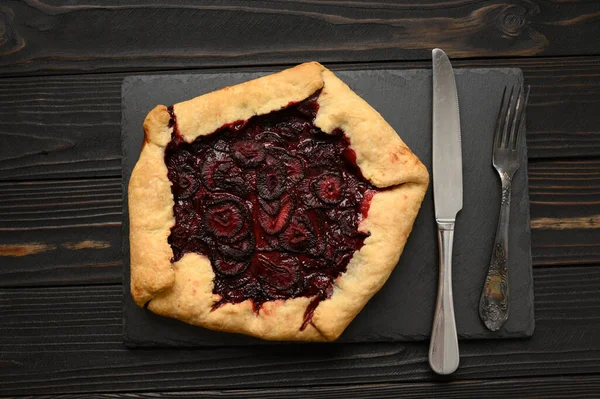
[493, 305]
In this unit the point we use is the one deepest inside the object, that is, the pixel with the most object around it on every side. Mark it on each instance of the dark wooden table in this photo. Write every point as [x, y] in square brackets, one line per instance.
[61, 67]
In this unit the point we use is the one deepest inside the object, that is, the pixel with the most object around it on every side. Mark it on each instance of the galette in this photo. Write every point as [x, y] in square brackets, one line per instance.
[274, 208]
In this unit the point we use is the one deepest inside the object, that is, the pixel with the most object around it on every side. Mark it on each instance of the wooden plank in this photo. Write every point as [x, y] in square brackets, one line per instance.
[69, 231]
[69, 127]
[564, 189]
[581, 387]
[60, 127]
[60, 232]
[68, 340]
[565, 211]
[181, 34]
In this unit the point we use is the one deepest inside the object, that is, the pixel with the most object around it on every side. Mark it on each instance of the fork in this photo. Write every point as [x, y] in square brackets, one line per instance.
[494, 302]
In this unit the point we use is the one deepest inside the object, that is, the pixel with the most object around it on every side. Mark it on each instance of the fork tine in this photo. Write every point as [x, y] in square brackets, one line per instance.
[514, 126]
[498, 132]
[508, 112]
[519, 122]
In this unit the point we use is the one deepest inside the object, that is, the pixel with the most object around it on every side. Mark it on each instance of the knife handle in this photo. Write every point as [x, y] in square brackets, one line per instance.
[443, 348]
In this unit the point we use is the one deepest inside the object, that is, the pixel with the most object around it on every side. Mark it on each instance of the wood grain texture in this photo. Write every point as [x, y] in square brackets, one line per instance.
[564, 189]
[69, 231]
[582, 222]
[60, 127]
[580, 387]
[69, 127]
[135, 35]
[68, 340]
[60, 232]
[564, 199]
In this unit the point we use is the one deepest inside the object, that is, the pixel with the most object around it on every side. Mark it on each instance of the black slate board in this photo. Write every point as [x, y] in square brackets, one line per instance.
[403, 309]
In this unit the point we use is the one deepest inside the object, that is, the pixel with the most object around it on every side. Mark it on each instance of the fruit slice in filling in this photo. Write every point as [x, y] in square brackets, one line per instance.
[329, 188]
[273, 202]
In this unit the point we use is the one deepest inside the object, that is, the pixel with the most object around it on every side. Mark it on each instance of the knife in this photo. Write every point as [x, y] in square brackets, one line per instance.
[448, 201]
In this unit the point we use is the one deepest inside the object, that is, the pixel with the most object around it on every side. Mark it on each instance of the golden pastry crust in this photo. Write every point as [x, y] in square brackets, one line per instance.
[184, 289]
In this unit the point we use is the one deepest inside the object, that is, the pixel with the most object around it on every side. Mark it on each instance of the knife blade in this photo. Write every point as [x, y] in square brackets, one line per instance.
[448, 201]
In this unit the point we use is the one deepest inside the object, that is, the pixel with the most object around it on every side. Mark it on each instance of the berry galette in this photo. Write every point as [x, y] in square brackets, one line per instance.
[274, 208]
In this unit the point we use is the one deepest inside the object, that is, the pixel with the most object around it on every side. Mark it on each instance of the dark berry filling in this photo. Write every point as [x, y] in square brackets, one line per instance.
[274, 203]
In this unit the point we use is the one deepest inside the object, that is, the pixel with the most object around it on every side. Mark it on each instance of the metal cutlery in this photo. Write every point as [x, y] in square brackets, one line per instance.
[448, 199]
[494, 302]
